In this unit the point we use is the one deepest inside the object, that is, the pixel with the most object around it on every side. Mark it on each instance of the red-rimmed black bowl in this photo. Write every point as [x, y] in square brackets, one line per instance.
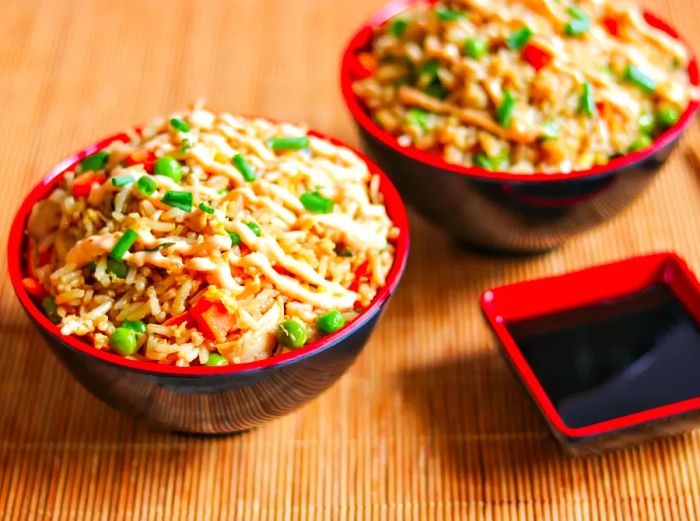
[503, 211]
[208, 400]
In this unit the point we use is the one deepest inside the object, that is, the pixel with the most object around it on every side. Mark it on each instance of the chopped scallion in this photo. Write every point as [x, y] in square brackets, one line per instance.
[122, 181]
[95, 162]
[254, 228]
[179, 125]
[146, 185]
[206, 208]
[289, 143]
[125, 242]
[640, 79]
[448, 15]
[505, 110]
[244, 167]
[181, 200]
[519, 38]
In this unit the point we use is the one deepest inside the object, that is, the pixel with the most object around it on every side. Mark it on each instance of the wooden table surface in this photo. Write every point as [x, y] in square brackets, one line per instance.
[429, 422]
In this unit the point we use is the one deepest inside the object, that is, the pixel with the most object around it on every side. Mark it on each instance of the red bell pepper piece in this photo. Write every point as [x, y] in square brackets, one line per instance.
[82, 185]
[612, 24]
[147, 159]
[361, 273]
[537, 56]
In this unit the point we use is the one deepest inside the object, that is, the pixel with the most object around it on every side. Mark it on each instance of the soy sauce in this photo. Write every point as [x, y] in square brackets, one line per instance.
[616, 357]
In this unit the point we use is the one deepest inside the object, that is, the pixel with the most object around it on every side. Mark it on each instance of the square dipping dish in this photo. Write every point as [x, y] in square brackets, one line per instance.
[610, 354]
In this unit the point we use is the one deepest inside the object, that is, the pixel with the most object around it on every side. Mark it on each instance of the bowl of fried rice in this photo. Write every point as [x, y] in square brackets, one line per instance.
[208, 272]
[514, 125]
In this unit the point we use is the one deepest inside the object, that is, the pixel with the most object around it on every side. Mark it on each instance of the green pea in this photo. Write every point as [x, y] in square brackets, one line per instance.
[51, 309]
[95, 161]
[168, 167]
[475, 47]
[123, 341]
[216, 360]
[136, 326]
[254, 228]
[117, 267]
[667, 118]
[291, 333]
[640, 143]
[330, 322]
[646, 123]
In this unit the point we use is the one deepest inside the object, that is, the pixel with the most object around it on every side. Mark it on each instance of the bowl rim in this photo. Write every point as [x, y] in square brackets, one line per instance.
[392, 201]
[359, 41]
[589, 285]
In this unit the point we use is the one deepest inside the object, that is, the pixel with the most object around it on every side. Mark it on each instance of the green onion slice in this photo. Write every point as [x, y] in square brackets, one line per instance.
[398, 26]
[122, 181]
[206, 208]
[181, 200]
[254, 228]
[448, 15]
[235, 238]
[519, 38]
[419, 117]
[505, 110]
[640, 79]
[161, 246]
[146, 185]
[289, 143]
[243, 167]
[125, 242]
[586, 103]
[95, 162]
[179, 125]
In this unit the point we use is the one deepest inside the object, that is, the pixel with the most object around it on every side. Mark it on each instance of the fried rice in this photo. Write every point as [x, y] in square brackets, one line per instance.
[209, 239]
[525, 85]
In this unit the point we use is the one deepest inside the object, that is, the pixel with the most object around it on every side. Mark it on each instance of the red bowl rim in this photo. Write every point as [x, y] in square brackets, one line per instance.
[395, 209]
[590, 285]
[359, 41]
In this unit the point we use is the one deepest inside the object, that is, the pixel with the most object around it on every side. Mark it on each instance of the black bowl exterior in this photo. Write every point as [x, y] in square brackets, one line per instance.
[214, 404]
[512, 216]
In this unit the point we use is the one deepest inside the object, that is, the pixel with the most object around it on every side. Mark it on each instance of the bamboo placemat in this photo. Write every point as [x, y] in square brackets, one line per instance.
[429, 423]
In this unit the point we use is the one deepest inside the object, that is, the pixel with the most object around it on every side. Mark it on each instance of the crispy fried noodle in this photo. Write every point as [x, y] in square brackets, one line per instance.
[211, 239]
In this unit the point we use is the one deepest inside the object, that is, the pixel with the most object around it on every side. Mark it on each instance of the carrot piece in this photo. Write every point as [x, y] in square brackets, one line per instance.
[33, 287]
[82, 185]
[213, 319]
[368, 61]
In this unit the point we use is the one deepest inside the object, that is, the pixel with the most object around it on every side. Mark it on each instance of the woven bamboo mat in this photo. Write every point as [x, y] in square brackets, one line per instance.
[428, 424]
